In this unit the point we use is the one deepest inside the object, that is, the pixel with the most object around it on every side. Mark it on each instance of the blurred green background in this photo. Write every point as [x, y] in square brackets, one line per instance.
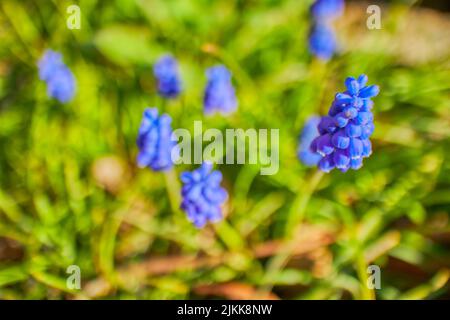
[71, 194]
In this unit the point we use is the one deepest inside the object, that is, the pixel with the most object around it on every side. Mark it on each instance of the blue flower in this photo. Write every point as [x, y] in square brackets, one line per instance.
[327, 9]
[49, 62]
[203, 195]
[322, 41]
[345, 131]
[60, 80]
[61, 85]
[309, 133]
[167, 75]
[219, 93]
[156, 148]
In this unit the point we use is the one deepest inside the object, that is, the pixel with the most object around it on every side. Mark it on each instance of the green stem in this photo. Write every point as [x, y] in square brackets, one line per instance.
[173, 190]
[361, 268]
[295, 219]
[298, 208]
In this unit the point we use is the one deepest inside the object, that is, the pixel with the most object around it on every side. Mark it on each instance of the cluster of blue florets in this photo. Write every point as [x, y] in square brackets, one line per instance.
[167, 76]
[219, 95]
[219, 92]
[344, 133]
[60, 80]
[156, 148]
[322, 40]
[202, 195]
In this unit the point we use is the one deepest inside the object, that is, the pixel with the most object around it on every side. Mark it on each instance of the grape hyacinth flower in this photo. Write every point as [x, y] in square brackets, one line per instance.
[309, 133]
[219, 93]
[167, 75]
[345, 132]
[60, 80]
[323, 10]
[49, 63]
[322, 41]
[154, 141]
[202, 195]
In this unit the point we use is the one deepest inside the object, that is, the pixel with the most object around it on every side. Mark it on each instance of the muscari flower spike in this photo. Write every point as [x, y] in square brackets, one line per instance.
[60, 80]
[219, 92]
[203, 195]
[327, 9]
[309, 133]
[322, 41]
[49, 62]
[167, 75]
[154, 141]
[345, 132]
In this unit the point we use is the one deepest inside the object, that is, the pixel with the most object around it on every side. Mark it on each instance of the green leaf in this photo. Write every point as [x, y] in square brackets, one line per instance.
[417, 213]
[12, 275]
[126, 45]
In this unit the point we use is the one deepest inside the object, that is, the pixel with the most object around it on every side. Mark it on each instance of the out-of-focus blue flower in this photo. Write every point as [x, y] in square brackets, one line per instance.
[202, 195]
[309, 133]
[60, 80]
[50, 61]
[327, 9]
[219, 93]
[61, 85]
[154, 141]
[345, 132]
[167, 76]
[322, 41]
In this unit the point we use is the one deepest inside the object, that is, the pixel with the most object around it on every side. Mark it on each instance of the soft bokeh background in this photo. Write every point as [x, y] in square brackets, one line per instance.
[71, 194]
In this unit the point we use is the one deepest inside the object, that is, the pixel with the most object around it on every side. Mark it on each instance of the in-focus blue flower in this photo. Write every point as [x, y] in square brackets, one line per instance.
[167, 75]
[219, 93]
[345, 131]
[60, 80]
[203, 195]
[327, 9]
[322, 41]
[156, 148]
[309, 133]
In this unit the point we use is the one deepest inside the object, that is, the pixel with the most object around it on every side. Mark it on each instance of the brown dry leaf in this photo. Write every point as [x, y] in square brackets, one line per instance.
[95, 288]
[234, 291]
[310, 239]
[382, 245]
[10, 250]
[322, 259]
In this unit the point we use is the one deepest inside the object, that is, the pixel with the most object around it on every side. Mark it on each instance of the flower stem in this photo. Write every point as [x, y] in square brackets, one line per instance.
[173, 190]
[361, 268]
[295, 220]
